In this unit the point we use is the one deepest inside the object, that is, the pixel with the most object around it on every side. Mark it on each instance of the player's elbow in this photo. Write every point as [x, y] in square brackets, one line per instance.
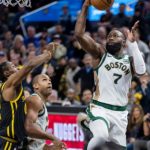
[140, 71]
[78, 35]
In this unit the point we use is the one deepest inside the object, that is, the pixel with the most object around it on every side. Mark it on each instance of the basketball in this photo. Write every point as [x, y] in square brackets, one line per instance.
[102, 4]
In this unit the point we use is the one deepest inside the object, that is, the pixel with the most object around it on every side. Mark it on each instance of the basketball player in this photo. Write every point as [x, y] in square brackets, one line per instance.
[12, 101]
[113, 73]
[37, 117]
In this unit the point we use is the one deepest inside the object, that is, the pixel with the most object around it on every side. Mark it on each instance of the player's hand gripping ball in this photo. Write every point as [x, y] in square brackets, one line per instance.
[102, 4]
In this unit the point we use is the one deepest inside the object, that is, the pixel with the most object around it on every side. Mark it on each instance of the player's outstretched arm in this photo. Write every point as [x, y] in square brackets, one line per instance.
[16, 78]
[34, 105]
[87, 43]
[137, 59]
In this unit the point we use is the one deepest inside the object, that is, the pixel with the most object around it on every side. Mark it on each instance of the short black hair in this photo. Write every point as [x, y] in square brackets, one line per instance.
[3, 67]
[35, 79]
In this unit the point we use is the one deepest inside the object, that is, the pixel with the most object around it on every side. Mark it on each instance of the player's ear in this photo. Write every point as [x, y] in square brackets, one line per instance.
[35, 86]
[124, 43]
[6, 73]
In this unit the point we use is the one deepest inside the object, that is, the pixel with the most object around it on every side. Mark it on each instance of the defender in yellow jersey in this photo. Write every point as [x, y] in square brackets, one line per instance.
[12, 104]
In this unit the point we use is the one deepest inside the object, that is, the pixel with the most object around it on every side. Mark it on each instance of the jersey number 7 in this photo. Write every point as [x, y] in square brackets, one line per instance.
[118, 76]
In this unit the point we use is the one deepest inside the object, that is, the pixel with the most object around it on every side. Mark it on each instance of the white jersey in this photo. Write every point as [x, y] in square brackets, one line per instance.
[42, 121]
[114, 80]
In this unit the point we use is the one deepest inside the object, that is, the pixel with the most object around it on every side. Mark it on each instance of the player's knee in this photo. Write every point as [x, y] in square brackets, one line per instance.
[102, 137]
[96, 143]
[99, 129]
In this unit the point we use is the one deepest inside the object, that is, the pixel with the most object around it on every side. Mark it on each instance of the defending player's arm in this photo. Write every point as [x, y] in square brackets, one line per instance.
[16, 78]
[138, 61]
[34, 105]
[87, 43]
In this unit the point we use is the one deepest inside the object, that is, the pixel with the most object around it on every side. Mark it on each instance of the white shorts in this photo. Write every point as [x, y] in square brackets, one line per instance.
[116, 122]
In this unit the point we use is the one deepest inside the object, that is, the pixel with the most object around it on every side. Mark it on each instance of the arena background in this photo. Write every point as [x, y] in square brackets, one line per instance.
[24, 32]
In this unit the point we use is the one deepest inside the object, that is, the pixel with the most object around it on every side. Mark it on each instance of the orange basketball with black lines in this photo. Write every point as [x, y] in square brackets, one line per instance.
[102, 4]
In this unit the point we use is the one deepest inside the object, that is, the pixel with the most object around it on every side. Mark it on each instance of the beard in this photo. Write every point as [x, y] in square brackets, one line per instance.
[113, 48]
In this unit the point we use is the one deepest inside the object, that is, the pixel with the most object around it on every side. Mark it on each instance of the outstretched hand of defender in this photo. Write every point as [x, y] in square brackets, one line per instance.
[131, 34]
[51, 48]
[87, 3]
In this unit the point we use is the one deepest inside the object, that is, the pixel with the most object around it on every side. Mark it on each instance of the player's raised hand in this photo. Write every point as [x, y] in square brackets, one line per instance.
[87, 3]
[51, 47]
[131, 34]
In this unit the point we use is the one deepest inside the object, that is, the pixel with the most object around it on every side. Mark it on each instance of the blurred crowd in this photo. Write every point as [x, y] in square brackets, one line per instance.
[71, 69]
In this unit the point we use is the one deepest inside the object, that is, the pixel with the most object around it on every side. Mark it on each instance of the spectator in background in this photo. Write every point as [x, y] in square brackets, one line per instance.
[121, 19]
[15, 58]
[144, 89]
[8, 40]
[72, 70]
[31, 36]
[141, 6]
[102, 34]
[70, 99]
[65, 19]
[30, 55]
[86, 97]
[133, 90]
[105, 19]
[142, 46]
[18, 45]
[21, 11]
[50, 71]
[61, 49]
[3, 56]
[142, 24]
[95, 36]
[148, 59]
[53, 99]
[135, 126]
[32, 47]
[147, 17]
[74, 48]
[84, 78]
[4, 27]
[43, 45]
[44, 36]
[144, 143]
[59, 77]
[59, 29]
[2, 47]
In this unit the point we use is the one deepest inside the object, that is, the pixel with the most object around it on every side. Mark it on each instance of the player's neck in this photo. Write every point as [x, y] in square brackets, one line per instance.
[44, 98]
[119, 55]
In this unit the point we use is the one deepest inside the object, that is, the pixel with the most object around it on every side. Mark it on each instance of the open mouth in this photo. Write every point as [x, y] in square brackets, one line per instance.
[49, 87]
[111, 43]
